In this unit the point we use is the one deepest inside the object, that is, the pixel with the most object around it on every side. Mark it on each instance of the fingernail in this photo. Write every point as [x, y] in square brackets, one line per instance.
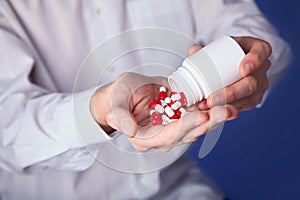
[247, 69]
[230, 114]
[203, 106]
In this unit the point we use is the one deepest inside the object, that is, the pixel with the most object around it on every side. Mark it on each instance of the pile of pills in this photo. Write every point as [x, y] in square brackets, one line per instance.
[167, 109]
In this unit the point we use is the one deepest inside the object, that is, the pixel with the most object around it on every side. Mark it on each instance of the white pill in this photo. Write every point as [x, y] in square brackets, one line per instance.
[163, 103]
[169, 111]
[165, 119]
[159, 109]
[162, 89]
[168, 100]
[176, 105]
[152, 111]
[175, 97]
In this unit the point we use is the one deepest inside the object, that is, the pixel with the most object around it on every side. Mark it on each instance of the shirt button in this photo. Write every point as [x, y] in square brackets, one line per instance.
[97, 11]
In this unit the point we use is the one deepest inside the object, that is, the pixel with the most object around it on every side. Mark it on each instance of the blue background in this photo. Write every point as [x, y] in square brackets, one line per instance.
[257, 156]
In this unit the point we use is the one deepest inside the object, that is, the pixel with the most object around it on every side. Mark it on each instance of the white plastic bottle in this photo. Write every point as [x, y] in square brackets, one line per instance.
[213, 67]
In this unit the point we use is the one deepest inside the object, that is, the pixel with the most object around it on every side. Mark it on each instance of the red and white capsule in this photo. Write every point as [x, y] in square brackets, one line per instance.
[162, 92]
[157, 121]
[175, 97]
[158, 108]
[182, 99]
[167, 100]
[169, 111]
[165, 119]
[154, 103]
[154, 114]
[163, 103]
[176, 105]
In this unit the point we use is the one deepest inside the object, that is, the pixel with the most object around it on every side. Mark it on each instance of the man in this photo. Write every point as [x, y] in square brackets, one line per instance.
[42, 46]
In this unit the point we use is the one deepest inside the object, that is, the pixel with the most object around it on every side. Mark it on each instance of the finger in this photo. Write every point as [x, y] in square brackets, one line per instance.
[257, 52]
[175, 131]
[250, 102]
[218, 115]
[186, 129]
[202, 105]
[122, 120]
[244, 104]
[193, 49]
[243, 88]
[164, 136]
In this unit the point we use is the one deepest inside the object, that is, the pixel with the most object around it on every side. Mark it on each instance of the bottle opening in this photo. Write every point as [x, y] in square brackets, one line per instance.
[179, 82]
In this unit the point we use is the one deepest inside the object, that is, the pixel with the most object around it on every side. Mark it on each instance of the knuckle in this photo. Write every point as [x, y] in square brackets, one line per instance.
[257, 58]
[266, 47]
[253, 84]
[231, 94]
[268, 64]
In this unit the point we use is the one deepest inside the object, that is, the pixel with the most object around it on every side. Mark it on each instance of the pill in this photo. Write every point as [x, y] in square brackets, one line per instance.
[182, 99]
[176, 105]
[178, 113]
[183, 111]
[174, 117]
[155, 115]
[169, 111]
[172, 93]
[162, 89]
[151, 112]
[158, 108]
[157, 121]
[162, 95]
[163, 103]
[154, 103]
[175, 97]
[165, 119]
[167, 100]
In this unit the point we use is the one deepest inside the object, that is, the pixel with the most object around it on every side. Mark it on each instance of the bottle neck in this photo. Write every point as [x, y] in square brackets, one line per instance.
[184, 80]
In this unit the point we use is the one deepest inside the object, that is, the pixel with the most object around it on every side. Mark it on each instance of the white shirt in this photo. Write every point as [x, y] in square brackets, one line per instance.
[42, 45]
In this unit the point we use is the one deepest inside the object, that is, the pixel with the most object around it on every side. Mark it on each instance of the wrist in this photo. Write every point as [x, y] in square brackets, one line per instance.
[100, 105]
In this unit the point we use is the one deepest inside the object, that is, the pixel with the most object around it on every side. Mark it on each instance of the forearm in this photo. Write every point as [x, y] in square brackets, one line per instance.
[36, 124]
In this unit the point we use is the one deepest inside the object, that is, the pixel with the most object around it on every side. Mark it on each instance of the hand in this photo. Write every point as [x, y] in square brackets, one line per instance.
[248, 92]
[124, 105]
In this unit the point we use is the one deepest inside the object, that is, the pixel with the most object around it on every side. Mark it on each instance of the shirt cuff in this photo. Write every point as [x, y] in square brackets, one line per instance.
[74, 124]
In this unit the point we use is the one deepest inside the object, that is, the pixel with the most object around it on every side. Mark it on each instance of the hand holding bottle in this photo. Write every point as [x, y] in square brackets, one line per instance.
[248, 92]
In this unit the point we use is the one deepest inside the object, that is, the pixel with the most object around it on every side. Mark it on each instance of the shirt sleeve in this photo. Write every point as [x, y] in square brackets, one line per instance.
[241, 18]
[39, 127]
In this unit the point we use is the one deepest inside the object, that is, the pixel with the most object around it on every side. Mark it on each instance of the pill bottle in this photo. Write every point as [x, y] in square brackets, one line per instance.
[211, 68]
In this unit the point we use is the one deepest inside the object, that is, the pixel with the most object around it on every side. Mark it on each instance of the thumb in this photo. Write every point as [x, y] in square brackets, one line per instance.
[122, 120]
